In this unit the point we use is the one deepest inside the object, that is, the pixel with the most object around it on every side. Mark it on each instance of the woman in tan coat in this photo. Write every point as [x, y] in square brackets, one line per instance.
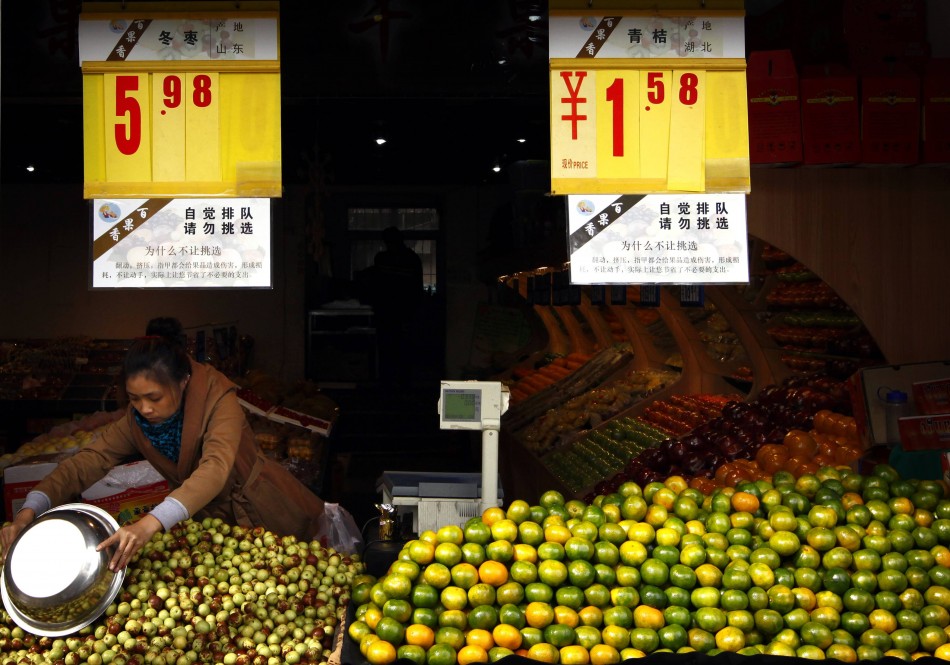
[185, 419]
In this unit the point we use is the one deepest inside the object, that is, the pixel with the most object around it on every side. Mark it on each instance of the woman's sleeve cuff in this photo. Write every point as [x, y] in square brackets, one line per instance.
[170, 512]
[38, 502]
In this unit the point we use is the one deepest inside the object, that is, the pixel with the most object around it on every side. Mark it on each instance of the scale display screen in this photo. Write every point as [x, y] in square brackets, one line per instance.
[462, 405]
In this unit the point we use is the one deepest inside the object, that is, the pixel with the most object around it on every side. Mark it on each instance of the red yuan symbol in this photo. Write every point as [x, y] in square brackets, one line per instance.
[573, 100]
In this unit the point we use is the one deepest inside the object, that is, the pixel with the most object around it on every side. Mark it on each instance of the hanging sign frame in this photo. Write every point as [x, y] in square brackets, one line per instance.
[181, 100]
[643, 102]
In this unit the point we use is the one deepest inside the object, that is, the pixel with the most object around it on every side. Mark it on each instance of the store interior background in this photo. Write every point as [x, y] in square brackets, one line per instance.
[452, 86]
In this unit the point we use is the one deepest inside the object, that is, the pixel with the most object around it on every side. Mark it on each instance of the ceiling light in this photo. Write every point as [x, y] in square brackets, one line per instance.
[30, 168]
[380, 140]
[534, 17]
[521, 140]
[496, 168]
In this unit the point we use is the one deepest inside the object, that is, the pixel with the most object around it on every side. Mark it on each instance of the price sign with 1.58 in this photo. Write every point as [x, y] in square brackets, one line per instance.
[646, 126]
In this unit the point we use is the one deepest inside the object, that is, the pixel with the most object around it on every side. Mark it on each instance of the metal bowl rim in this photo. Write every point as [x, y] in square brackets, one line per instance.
[60, 629]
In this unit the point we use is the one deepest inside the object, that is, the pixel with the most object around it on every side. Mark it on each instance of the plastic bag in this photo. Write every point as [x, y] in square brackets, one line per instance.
[339, 529]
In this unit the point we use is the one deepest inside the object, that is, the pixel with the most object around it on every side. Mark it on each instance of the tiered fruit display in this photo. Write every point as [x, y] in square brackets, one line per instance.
[529, 380]
[588, 410]
[209, 592]
[812, 323]
[49, 445]
[617, 331]
[62, 439]
[738, 433]
[832, 440]
[602, 452]
[589, 376]
[826, 565]
[721, 342]
[590, 461]
[680, 414]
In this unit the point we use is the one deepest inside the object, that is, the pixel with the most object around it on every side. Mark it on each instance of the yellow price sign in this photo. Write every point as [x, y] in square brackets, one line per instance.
[646, 126]
[181, 100]
[180, 132]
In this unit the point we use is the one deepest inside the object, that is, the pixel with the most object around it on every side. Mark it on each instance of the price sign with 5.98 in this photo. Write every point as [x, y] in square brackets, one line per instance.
[181, 132]
[644, 126]
[163, 108]
[184, 103]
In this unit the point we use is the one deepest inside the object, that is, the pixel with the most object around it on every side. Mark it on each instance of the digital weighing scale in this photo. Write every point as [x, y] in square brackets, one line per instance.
[477, 405]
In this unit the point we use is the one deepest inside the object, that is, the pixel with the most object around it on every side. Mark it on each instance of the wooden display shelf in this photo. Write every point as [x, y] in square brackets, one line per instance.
[767, 366]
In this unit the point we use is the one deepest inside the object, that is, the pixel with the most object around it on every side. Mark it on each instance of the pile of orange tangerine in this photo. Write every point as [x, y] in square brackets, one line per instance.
[826, 565]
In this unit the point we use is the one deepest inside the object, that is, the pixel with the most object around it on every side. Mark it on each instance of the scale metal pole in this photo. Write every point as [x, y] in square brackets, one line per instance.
[489, 468]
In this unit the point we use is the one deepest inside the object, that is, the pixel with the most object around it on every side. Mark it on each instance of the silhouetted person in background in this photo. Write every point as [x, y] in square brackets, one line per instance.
[397, 276]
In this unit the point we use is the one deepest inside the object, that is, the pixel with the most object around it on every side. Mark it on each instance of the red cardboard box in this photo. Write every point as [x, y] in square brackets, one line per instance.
[124, 503]
[935, 130]
[128, 491]
[882, 17]
[890, 117]
[932, 397]
[775, 132]
[130, 504]
[831, 132]
[880, 31]
[925, 432]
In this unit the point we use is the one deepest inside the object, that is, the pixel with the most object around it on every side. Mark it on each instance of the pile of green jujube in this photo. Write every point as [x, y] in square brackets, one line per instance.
[826, 565]
[207, 591]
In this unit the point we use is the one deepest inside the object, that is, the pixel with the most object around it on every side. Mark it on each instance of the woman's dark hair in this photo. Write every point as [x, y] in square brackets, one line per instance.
[160, 353]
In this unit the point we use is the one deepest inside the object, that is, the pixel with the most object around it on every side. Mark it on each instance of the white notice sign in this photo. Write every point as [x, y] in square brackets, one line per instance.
[181, 243]
[658, 239]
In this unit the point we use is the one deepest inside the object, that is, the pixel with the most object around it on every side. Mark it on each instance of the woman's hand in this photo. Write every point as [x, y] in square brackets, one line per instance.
[9, 532]
[128, 540]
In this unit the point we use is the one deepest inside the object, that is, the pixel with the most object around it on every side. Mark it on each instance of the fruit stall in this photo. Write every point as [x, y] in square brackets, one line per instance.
[679, 478]
[688, 479]
[621, 377]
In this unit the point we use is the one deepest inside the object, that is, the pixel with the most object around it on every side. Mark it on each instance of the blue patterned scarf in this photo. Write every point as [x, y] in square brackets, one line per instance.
[166, 435]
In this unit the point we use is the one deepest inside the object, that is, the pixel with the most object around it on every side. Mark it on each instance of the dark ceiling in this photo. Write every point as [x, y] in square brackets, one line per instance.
[452, 83]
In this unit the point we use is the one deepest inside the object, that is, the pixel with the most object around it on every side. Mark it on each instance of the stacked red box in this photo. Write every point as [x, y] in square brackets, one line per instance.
[935, 129]
[890, 117]
[881, 31]
[775, 133]
[831, 132]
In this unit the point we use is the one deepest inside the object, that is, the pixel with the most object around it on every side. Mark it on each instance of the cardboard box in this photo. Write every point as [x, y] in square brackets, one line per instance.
[130, 504]
[19, 479]
[876, 19]
[831, 130]
[932, 397]
[885, 31]
[124, 503]
[890, 117]
[935, 118]
[925, 432]
[775, 132]
[128, 491]
[865, 384]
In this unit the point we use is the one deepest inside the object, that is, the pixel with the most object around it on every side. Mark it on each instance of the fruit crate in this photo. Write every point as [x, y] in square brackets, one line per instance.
[433, 499]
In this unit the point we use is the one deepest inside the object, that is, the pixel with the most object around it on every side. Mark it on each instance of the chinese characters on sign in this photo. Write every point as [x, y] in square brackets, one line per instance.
[659, 238]
[116, 39]
[646, 36]
[181, 243]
